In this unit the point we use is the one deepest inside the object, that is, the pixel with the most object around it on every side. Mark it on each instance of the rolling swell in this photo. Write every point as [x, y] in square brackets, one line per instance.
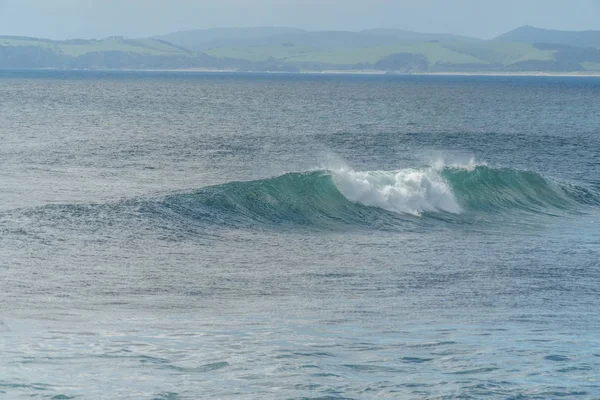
[309, 198]
[486, 189]
[337, 200]
[379, 199]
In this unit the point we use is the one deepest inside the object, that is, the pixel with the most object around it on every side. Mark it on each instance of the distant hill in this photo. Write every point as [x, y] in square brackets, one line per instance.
[530, 34]
[287, 49]
[78, 47]
[201, 40]
[110, 53]
[416, 37]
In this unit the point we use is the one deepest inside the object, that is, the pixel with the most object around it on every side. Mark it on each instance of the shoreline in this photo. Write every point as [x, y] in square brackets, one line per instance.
[587, 74]
[582, 74]
[525, 73]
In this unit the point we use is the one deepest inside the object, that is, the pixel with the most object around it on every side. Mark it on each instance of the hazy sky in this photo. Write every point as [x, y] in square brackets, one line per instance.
[60, 19]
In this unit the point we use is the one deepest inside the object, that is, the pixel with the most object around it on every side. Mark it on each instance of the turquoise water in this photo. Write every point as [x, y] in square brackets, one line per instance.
[188, 235]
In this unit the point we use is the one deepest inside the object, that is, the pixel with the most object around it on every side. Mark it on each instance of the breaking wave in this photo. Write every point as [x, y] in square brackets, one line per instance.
[379, 198]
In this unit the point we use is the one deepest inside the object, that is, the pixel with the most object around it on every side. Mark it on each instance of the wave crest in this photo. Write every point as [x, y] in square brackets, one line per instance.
[379, 198]
[408, 191]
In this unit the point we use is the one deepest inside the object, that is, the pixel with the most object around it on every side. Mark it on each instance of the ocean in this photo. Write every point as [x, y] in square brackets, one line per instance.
[186, 235]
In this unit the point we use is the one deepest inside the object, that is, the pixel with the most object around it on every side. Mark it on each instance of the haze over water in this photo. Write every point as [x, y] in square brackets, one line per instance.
[189, 235]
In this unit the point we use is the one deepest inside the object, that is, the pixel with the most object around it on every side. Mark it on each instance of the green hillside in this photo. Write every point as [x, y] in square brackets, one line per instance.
[397, 50]
[287, 49]
[501, 53]
[79, 47]
[531, 34]
[434, 52]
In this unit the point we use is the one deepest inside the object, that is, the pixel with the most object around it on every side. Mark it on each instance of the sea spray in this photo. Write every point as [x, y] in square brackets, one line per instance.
[408, 191]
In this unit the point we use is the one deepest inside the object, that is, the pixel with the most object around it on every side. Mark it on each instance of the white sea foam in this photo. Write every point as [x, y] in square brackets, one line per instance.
[408, 191]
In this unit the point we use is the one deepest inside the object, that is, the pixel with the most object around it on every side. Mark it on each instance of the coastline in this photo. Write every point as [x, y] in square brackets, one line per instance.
[582, 74]
[377, 72]
[525, 73]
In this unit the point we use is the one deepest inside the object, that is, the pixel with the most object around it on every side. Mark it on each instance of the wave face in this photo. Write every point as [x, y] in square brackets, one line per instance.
[378, 198]
[310, 198]
[508, 190]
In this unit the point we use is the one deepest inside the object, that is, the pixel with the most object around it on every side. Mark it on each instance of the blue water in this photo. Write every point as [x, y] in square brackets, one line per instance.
[265, 236]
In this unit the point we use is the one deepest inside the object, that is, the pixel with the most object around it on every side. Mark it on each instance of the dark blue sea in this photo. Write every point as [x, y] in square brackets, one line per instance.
[281, 236]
